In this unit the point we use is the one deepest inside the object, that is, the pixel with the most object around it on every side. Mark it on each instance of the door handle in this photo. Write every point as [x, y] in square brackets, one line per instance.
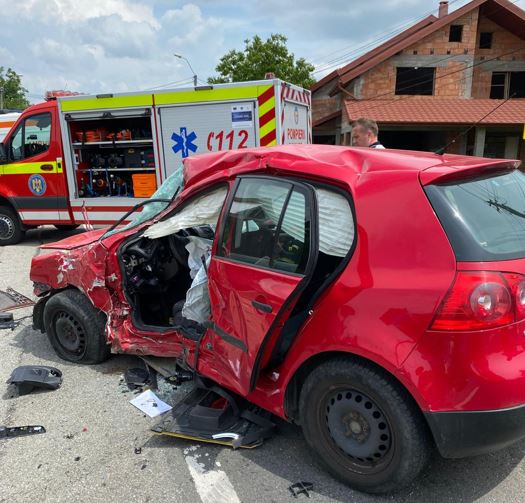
[261, 306]
[46, 167]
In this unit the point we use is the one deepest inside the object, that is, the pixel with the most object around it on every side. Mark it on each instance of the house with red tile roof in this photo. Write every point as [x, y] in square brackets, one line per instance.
[456, 80]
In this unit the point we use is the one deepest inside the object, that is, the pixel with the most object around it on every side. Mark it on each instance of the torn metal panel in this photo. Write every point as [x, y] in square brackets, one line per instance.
[82, 268]
[11, 299]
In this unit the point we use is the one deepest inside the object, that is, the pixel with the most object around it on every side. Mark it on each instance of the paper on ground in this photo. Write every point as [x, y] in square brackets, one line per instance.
[150, 404]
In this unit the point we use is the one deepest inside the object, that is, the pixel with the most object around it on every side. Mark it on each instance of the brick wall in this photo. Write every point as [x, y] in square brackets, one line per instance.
[433, 50]
[503, 42]
[324, 106]
[438, 41]
[459, 68]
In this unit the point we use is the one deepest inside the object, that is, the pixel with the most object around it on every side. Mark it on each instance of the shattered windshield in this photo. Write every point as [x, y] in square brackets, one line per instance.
[172, 186]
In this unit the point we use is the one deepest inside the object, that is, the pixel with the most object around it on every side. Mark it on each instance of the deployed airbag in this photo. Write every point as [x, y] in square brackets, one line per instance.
[204, 210]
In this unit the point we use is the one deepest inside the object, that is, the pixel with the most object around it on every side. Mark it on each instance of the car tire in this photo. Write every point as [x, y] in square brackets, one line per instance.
[66, 227]
[75, 328]
[363, 426]
[11, 230]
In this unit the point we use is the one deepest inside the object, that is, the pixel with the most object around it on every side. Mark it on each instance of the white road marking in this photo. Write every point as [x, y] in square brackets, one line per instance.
[213, 486]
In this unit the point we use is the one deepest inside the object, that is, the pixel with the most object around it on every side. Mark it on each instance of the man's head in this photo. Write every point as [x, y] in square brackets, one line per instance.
[364, 132]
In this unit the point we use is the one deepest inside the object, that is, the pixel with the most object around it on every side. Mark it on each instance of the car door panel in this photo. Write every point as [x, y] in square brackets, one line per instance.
[247, 299]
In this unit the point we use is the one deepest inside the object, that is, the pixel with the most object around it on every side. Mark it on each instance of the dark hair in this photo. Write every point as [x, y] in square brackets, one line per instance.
[367, 124]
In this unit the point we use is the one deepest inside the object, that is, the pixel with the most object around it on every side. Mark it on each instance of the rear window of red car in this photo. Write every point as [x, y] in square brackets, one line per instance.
[484, 218]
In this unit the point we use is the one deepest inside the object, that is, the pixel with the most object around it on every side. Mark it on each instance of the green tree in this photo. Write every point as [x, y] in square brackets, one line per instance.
[260, 57]
[14, 94]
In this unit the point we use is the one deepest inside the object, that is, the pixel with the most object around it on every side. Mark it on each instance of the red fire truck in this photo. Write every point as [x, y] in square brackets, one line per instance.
[89, 159]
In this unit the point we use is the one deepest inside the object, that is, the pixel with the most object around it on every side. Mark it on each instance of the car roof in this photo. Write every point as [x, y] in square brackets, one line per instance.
[331, 162]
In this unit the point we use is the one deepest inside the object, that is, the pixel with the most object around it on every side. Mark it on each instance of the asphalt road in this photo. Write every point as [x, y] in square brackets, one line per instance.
[88, 452]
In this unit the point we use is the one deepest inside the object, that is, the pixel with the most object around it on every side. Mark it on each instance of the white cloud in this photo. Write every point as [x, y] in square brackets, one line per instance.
[73, 11]
[126, 45]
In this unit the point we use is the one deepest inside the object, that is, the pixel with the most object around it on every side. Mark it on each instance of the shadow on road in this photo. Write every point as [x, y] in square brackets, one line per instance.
[287, 456]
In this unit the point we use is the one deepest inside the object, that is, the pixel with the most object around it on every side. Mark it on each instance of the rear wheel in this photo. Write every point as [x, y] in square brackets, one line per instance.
[66, 227]
[75, 328]
[11, 231]
[363, 426]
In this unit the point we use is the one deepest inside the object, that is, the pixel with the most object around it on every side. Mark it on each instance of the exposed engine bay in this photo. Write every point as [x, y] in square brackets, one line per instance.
[159, 273]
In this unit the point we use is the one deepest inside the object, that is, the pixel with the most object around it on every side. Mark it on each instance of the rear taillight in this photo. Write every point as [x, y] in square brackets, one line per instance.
[479, 300]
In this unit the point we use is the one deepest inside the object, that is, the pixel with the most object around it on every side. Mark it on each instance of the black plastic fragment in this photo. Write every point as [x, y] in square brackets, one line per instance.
[29, 377]
[6, 321]
[20, 431]
[136, 377]
[301, 488]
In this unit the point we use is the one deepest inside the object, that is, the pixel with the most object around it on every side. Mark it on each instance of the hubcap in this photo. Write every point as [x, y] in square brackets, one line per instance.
[70, 333]
[358, 427]
[7, 227]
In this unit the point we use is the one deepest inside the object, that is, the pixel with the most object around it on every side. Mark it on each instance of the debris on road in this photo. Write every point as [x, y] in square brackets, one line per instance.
[301, 488]
[136, 378]
[7, 322]
[150, 404]
[10, 299]
[28, 377]
[20, 431]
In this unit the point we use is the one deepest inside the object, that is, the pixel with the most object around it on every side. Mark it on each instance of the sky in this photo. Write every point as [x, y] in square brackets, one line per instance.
[95, 46]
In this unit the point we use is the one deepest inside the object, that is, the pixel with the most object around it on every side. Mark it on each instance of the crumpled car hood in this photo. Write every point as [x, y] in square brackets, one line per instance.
[76, 241]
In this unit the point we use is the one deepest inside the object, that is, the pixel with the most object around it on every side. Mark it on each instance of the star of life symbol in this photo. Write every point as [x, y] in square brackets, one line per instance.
[184, 142]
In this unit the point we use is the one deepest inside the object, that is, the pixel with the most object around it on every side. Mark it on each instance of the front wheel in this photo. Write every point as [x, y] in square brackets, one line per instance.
[363, 426]
[75, 328]
[11, 231]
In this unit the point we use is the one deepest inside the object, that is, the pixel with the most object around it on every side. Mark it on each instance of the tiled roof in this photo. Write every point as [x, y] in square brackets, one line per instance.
[503, 12]
[433, 110]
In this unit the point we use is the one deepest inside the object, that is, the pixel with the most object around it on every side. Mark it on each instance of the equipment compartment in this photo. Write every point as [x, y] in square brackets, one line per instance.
[109, 152]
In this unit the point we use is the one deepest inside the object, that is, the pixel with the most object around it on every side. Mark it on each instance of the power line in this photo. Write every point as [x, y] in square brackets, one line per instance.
[376, 97]
[457, 137]
[398, 29]
[168, 84]
[341, 60]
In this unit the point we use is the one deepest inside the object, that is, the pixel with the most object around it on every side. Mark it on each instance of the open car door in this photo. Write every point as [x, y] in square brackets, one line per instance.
[265, 253]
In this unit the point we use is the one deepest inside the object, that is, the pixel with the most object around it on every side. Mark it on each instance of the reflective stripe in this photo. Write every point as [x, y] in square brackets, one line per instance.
[41, 216]
[28, 168]
[107, 216]
[77, 104]
[236, 93]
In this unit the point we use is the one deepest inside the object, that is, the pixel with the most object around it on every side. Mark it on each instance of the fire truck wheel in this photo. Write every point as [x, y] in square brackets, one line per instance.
[75, 328]
[363, 426]
[11, 231]
[66, 227]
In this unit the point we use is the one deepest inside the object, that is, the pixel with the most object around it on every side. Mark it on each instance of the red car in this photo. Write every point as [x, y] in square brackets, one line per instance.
[376, 298]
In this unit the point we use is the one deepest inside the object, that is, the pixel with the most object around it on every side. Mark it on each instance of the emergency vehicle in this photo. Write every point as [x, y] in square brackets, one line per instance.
[7, 121]
[89, 159]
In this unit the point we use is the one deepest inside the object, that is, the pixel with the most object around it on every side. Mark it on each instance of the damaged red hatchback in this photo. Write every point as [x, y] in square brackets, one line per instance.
[376, 298]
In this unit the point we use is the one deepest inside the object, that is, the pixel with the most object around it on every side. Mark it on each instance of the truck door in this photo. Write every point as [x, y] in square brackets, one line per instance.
[295, 123]
[198, 128]
[266, 251]
[33, 179]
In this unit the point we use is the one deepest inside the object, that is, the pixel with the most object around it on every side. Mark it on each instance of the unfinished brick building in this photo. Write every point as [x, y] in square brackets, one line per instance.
[433, 81]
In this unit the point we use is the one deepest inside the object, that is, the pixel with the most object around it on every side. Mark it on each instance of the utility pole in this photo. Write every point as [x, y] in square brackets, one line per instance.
[180, 56]
[1, 98]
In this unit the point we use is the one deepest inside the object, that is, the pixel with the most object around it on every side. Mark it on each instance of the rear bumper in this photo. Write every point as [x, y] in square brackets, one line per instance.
[460, 434]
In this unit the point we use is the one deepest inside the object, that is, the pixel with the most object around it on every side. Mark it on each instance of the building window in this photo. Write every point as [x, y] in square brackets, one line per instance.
[415, 80]
[485, 40]
[456, 33]
[507, 84]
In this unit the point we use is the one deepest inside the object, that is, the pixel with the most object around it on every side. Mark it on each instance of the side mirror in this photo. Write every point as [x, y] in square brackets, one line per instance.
[3, 154]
